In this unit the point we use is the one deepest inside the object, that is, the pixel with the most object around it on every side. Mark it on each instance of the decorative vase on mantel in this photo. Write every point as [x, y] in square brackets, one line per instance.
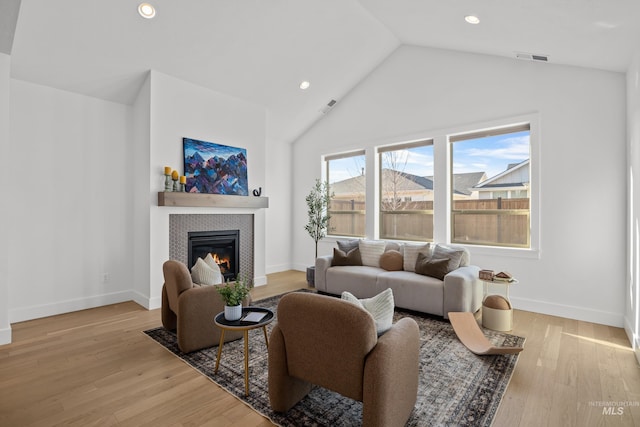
[233, 312]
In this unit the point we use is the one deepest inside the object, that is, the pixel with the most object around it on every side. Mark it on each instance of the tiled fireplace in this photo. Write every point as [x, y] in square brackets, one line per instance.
[181, 225]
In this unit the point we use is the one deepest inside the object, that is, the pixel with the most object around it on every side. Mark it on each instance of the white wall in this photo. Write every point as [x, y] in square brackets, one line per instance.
[141, 149]
[278, 186]
[69, 199]
[179, 109]
[632, 292]
[5, 326]
[580, 269]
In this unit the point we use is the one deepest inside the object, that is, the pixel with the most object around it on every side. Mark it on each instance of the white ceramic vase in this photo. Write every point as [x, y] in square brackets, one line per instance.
[233, 313]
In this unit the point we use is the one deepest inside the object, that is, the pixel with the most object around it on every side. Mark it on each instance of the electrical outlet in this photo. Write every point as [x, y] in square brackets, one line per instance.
[105, 277]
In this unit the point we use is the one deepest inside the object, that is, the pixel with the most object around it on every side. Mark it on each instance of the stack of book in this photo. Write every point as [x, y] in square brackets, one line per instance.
[503, 276]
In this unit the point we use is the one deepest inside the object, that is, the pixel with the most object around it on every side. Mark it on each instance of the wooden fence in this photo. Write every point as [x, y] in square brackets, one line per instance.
[476, 221]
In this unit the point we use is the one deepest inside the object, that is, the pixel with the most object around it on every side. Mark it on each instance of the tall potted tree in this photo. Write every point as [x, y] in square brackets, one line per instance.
[318, 201]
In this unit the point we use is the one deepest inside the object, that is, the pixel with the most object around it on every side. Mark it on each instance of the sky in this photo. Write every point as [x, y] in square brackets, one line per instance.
[491, 155]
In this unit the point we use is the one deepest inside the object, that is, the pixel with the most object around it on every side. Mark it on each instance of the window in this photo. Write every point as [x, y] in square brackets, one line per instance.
[406, 191]
[347, 183]
[490, 196]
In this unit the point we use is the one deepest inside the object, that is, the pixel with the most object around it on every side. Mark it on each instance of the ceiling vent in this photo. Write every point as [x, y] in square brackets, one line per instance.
[329, 106]
[532, 57]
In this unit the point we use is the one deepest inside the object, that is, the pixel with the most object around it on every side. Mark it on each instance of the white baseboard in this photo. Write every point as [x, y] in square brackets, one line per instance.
[278, 268]
[5, 336]
[568, 311]
[301, 267]
[145, 301]
[260, 281]
[634, 338]
[45, 310]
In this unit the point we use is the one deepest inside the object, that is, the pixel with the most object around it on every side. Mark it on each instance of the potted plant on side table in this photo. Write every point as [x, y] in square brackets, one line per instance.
[232, 294]
[317, 209]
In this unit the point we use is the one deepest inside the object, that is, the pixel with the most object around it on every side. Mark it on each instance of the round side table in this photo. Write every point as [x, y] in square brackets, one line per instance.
[245, 326]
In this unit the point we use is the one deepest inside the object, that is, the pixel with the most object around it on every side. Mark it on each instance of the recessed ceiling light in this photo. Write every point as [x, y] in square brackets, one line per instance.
[146, 10]
[305, 85]
[472, 19]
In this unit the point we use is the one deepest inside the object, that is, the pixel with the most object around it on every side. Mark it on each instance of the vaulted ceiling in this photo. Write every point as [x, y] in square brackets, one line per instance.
[260, 50]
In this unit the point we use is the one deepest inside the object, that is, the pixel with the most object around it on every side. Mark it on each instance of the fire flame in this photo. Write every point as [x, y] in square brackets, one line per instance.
[223, 262]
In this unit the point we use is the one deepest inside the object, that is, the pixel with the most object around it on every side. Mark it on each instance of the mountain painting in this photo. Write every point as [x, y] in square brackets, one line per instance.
[214, 168]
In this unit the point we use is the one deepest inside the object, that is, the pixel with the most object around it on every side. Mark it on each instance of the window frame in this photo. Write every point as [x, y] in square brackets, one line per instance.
[380, 151]
[327, 159]
[483, 133]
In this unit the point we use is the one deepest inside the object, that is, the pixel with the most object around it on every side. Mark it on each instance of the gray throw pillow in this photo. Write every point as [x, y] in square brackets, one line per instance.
[347, 245]
[454, 255]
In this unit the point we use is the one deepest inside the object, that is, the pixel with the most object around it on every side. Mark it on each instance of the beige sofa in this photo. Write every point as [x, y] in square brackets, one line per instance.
[461, 289]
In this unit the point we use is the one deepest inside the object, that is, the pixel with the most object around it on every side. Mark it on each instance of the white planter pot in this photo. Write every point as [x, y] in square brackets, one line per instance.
[232, 313]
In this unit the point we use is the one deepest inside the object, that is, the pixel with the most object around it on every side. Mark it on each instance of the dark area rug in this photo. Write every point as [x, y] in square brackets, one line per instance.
[456, 387]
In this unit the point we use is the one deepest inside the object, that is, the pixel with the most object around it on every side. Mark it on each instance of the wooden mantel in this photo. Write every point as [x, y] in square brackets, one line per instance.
[210, 200]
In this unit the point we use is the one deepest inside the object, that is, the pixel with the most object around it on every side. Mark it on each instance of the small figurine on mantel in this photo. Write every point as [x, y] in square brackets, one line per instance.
[168, 186]
[176, 185]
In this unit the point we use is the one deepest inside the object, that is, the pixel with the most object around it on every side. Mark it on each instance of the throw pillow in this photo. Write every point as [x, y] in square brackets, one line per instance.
[391, 260]
[411, 255]
[203, 274]
[370, 251]
[342, 259]
[437, 268]
[211, 262]
[454, 255]
[347, 245]
[380, 307]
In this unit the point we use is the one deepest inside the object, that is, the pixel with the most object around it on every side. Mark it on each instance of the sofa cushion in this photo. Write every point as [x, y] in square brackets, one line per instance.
[433, 267]
[413, 291]
[203, 274]
[341, 259]
[453, 255]
[411, 252]
[391, 260]
[359, 280]
[370, 251]
[347, 245]
[380, 307]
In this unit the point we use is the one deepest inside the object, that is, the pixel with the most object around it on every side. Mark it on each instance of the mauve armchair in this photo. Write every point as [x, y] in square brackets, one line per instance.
[333, 343]
[189, 309]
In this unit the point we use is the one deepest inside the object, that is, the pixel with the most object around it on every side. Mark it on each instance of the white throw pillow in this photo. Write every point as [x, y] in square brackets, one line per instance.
[380, 307]
[204, 274]
[211, 262]
[370, 251]
[411, 255]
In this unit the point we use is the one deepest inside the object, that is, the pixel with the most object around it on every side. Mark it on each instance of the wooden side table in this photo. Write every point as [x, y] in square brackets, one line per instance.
[498, 320]
[245, 327]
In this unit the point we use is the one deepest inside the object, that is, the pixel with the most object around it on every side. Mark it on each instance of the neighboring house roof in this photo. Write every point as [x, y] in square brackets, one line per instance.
[511, 177]
[462, 183]
[349, 185]
[409, 181]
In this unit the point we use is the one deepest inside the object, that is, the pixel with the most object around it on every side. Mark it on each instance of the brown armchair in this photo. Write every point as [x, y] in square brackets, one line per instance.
[189, 309]
[333, 343]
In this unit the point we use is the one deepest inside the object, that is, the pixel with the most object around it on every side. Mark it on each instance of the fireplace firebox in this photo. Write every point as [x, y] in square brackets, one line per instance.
[224, 247]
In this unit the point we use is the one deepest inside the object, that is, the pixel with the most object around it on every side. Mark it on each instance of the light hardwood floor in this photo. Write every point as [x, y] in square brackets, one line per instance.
[96, 367]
